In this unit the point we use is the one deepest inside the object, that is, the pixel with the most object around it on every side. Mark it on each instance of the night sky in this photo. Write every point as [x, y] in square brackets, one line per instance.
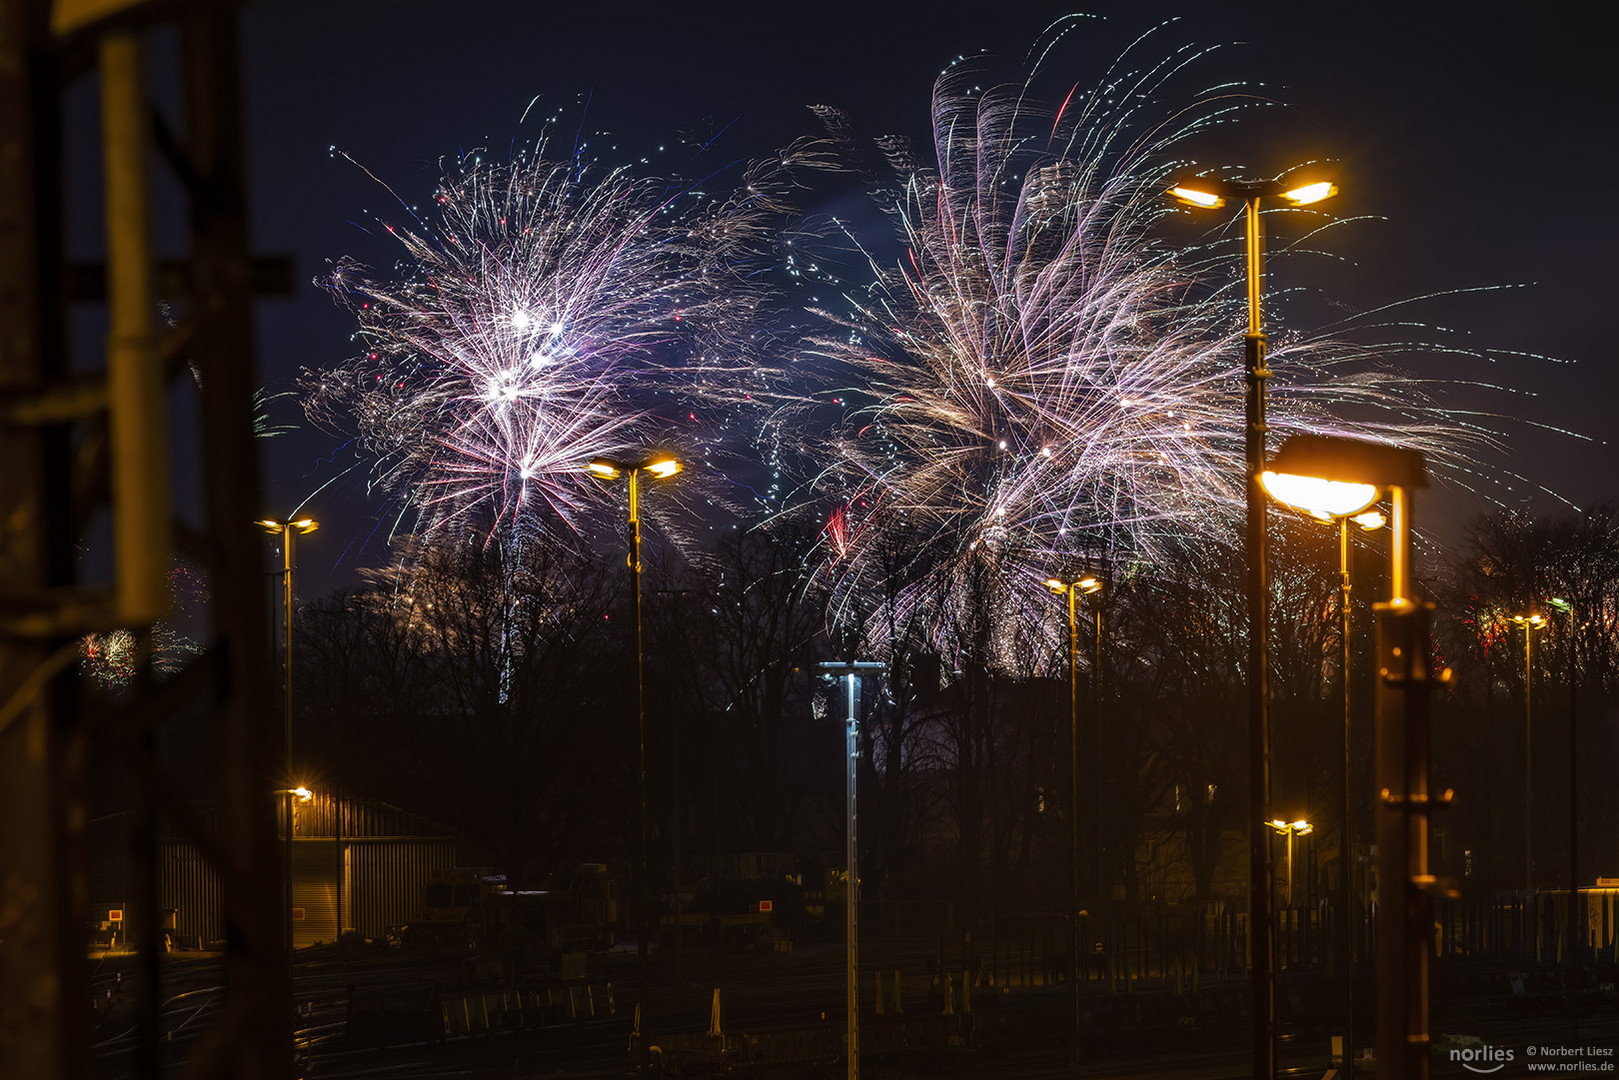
[1474, 144]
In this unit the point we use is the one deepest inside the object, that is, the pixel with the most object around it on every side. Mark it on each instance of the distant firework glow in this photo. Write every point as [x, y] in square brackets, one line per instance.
[543, 313]
[1046, 378]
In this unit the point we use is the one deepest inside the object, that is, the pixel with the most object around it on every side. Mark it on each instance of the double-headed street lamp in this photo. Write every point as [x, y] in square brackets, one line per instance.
[287, 529]
[1342, 511]
[659, 467]
[1290, 829]
[1333, 475]
[1211, 194]
[1531, 624]
[1072, 588]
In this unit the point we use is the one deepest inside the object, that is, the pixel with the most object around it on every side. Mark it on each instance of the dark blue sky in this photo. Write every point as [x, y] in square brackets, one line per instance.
[1474, 139]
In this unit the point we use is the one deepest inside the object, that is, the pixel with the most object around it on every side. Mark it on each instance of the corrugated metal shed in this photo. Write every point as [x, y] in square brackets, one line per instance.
[186, 883]
[356, 865]
[384, 879]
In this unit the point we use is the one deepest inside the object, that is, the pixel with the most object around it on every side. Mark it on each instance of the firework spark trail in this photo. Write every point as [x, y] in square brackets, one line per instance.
[546, 312]
[1047, 379]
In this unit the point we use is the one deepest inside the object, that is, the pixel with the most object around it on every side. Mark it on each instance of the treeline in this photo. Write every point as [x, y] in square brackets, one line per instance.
[491, 686]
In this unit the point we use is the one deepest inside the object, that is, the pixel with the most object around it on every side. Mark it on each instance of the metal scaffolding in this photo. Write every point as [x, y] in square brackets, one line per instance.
[73, 445]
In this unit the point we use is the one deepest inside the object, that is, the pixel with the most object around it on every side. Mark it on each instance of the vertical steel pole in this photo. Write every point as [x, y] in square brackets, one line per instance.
[1528, 780]
[1073, 820]
[851, 896]
[643, 889]
[1345, 860]
[287, 779]
[1102, 883]
[137, 426]
[851, 901]
[1259, 870]
[256, 1039]
[1404, 925]
[137, 417]
[1576, 928]
[44, 988]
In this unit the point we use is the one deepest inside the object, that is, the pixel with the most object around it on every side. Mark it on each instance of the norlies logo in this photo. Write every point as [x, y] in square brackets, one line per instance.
[1482, 1059]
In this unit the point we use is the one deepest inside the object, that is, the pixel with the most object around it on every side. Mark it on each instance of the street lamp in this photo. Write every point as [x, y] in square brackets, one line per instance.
[1211, 194]
[1315, 470]
[287, 529]
[1072, 587]
[1567, 609]
[1290, 829]
[660, 467]
[1531, 624]
[850, 671]
[1303, 492]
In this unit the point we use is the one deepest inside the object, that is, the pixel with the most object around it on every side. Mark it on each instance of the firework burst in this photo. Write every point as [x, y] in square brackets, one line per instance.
[1044, 378]
[543, 312]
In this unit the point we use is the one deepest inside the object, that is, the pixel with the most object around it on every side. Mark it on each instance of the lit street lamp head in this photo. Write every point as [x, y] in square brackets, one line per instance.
[1087, 584]
[660, 466]
[1192, 193]
[1207, 193]
[1351, 462]
[1533, 622]
[1305, 194]
[303, 525]
[1318, 497]
[1297, 828]
[1317, 462]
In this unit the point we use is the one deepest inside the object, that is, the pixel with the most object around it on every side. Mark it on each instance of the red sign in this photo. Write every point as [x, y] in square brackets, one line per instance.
[767, 905]
[115, 915]
[297, 914]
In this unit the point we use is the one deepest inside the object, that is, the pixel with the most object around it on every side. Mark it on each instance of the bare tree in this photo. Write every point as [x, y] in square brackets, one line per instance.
[472, 683]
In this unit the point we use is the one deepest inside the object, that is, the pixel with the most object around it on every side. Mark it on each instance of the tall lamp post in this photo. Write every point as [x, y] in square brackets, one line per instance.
[1531, 625]
[1574, 943]
[1211, 194]
[660, 467]
[287, 530]
[850, 671]
[1072, 587]
[1318, 473]
[1369, 521]
[1290, 829]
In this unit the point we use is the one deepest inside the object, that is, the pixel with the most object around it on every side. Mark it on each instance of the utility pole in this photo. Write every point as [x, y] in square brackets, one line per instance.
[850, 672]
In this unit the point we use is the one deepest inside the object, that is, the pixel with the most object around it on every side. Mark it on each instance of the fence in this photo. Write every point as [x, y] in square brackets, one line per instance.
[1177, 948]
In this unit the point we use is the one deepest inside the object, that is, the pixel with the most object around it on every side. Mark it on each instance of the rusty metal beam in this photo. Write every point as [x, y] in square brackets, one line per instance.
[253, 1040]
[44, 1023]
